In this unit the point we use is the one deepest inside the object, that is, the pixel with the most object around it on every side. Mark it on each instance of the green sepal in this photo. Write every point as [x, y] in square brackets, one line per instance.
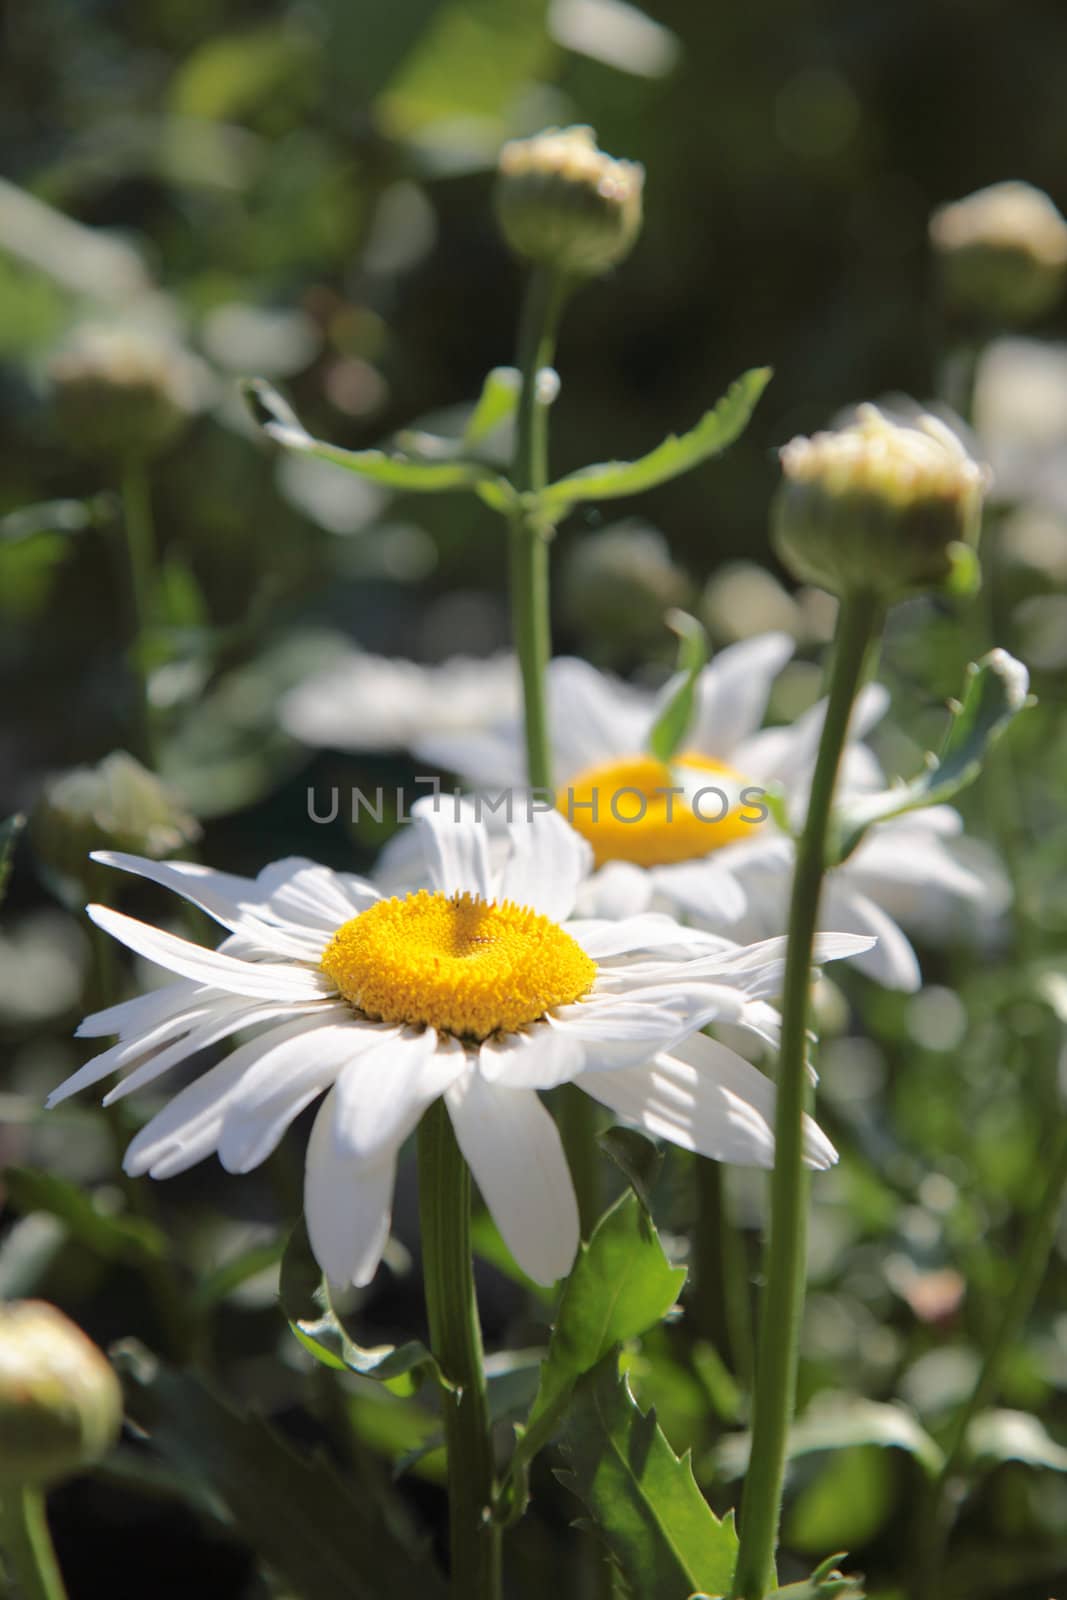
[671, 726]
[996, 691]
[305, 1298]
[715, 431]
[620, 1285]
[643, 1499]
[394, 470]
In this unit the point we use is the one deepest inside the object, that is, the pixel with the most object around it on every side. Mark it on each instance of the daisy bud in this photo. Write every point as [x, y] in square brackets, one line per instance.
[116, 805]
[120, 392]
[880, 507]
[564, 204]
[1002, 252]
[60, 1402]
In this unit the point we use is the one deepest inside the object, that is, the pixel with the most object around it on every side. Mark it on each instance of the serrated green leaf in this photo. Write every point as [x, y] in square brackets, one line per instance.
[305, 1298]
[672, 724]
[715, 431]
[9, 833]
[394, 470]
[643, 1498]
[115, 1237]
[1002, 1435]
[292, 1510]
[996, 691]
[839, 1422]
[620, 1285]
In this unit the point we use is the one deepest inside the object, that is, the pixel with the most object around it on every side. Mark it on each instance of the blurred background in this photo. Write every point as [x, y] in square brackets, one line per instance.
[301, 192]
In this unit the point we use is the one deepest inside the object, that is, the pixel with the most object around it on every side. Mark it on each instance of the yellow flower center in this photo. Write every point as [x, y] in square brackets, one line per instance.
[624, 810]
[459, 964]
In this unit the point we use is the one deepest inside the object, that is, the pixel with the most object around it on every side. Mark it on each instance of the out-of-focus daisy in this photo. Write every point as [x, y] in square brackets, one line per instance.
[369, 702]
[478, 988]
[730, 872]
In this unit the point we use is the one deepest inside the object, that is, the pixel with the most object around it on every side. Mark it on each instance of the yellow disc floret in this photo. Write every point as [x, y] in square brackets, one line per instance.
[465, 966]
[634, 810]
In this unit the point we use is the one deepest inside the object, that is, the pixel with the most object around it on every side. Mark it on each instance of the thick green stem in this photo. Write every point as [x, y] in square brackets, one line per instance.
[140, 560]
[27, 1545]
[1032, 1261]
[785, 1255]
[456, 1341]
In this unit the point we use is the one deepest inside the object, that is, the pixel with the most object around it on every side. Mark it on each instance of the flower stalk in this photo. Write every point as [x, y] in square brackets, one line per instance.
[27, 1543]
[546, 294]
[785, 1255]
[456, 1342]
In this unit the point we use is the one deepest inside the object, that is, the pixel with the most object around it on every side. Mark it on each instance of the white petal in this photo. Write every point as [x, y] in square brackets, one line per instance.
[704, 1097]
[619, 889]
[455, 846]
[187, 1129]
[891, 961]
[541, 1058]
[348, 1206]
[547, 863]
[594, 718]
[381, 1095]
[732, 692]
[312, 896]
[141, 1044]
[514, 1151]
[489, 759]
[257, 979]
[703, 887]
[230, 900]
[144, 1011]
[653, 931]
[219, 1023]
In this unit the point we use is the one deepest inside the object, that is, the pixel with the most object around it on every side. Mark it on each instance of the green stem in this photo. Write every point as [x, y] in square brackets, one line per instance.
[140, 561]
[1033, 1259]
[721, 1308]
[27, 1544]
[456, 1341]
[546, 295]
[785, 1255]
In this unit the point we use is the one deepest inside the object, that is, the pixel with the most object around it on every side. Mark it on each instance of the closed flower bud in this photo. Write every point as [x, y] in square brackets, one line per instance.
[1002, 253]
[116, 805]
[880, 507]
[564, 204]
[60, 1402]
[121, 392]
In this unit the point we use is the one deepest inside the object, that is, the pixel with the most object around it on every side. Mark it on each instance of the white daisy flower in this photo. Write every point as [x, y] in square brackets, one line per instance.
[369, 702]
[733, 871]
[481, 989]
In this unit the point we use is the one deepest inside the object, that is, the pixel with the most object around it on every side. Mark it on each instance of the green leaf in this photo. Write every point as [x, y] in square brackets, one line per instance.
[637, 1157]
[620, 1285]
[996, 691]
[642, 1498]
[497, 404]
[395, 470]
[115, 1237]
[839, 1422]
[9, 833]
[292, 1510]
[996, 1436]
[825, 1583]
[672, 724]
[715, 431]
[305, 1298]
[220, 1283]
